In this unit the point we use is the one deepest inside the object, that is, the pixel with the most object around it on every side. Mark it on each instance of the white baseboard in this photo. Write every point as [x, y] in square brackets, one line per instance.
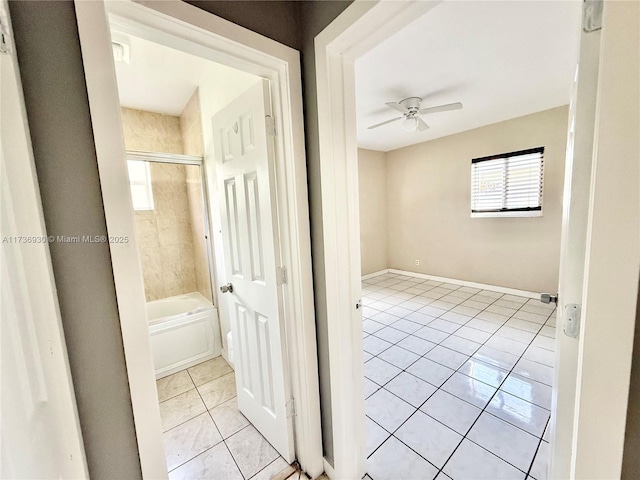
[375, 274]
[464, 283]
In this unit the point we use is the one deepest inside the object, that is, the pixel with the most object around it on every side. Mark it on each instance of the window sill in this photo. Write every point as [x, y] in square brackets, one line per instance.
[533, 213]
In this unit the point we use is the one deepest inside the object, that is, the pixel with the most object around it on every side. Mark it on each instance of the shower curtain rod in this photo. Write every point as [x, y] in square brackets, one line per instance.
[164, 157]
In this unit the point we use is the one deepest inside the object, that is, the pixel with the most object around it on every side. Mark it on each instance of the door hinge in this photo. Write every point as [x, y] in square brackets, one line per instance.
[282, 275]
[592, 15]
[270, 122]
[572, 320]
[291, 408]
[5, 33]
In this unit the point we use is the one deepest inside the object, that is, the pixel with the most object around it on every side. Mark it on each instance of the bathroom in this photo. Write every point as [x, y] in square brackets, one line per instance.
[178, 235]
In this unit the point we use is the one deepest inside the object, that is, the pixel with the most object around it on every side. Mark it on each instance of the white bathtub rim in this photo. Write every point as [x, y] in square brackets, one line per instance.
[205, 306]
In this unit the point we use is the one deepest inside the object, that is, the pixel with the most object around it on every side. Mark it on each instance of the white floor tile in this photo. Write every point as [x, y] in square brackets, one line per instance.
[380, 371]
[483, 325]
[535, 371]
[430, 371]
[406, 326]
[399, 357]
[485, 372]
[399, 311]
[406, 463]
[529, 390]
[468, 311]
[469, 389]
[503, 302]
[540, 355]
[504, 440]
[506, 345]
[416, 345]
[375, 435]
[189, 439]
[448, 358]
[420, 318]
[390, 334]
[387, 410]
[433, 311]
[450, 410]
[384, 318]
[530, 317]
[214, 464]
[455, 317]
[473, 462]
[462, 345]
[548, 331]
[474, 304]
[500, 359]
[507, 312]
[371, 326]
[544, 342]
[437, 446]
[370, 387]
[410, 388]
[472, 334]
[444, 326]
[527, 416]
[375, 345]
[540, 467]
[431, 334]
[251, 451]
[492, 317]
[523, 325]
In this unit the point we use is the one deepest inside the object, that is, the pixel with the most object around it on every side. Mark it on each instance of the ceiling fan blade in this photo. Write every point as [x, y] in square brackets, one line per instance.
[397, 106]
[441, 108]
[422, 125]
[384, 123]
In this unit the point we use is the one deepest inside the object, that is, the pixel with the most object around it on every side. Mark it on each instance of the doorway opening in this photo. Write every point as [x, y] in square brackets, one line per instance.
[461, 180]
[190, 327]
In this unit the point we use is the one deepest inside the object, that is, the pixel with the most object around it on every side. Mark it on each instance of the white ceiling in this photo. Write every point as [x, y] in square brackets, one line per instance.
[501, 59]
[158, 78]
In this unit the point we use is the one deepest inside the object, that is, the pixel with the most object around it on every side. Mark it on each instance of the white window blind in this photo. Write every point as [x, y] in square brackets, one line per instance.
[140, 182]
[508, 184]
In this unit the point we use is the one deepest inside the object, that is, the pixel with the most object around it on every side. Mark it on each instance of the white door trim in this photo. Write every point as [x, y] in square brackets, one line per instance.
[204, 34]
[360, 27]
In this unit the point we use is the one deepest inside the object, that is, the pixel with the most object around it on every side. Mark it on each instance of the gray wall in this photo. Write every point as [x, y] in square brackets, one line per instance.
[58, 113]
[315, 16]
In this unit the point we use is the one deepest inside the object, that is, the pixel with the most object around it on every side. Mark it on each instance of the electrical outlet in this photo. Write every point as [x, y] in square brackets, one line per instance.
[417, 262]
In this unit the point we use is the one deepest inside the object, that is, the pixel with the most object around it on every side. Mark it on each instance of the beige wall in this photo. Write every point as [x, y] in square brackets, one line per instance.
[191, 127]
[372, 169]
[165, 236]
[428, 205]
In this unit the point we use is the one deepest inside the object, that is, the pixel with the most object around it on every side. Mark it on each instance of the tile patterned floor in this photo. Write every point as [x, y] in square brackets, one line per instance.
[458, 381]
[205, 435]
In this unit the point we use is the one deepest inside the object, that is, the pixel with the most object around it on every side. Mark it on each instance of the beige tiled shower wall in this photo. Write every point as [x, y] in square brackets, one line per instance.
[164, 235]
[191, 127]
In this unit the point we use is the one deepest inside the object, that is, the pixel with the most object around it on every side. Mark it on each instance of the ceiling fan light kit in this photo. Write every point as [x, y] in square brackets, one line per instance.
[411, 111]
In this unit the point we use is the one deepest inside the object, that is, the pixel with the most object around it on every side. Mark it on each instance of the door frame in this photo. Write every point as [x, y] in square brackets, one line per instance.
[357, 30]
[201, 33]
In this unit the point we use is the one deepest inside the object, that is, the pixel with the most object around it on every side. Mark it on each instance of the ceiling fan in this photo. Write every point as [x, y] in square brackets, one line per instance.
[411, 111]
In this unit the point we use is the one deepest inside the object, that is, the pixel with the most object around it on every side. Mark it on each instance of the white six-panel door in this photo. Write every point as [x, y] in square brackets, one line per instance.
[244, 169]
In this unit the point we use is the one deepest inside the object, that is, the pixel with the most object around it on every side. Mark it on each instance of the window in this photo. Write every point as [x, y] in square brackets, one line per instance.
[140, 181]
[507, 185]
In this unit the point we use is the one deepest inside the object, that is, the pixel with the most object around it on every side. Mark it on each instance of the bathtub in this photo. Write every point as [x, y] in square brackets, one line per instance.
[182, 332]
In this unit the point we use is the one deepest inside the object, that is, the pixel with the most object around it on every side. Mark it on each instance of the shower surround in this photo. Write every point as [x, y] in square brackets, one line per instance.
[171, 237]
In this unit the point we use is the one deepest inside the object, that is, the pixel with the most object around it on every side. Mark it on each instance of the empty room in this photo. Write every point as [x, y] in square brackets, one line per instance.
[462, 133]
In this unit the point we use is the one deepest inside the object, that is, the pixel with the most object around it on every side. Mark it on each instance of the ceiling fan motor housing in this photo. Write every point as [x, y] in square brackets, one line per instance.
[412, 104]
